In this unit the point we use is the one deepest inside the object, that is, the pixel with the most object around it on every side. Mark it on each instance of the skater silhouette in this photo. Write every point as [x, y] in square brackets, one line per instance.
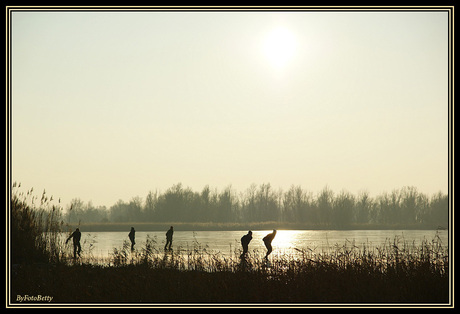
[245, 242]
[268, 242]
[132, 236]
[169, 237]
[76, 236]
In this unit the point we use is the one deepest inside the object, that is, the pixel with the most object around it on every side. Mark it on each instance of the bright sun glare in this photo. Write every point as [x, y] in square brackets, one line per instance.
[279, 47]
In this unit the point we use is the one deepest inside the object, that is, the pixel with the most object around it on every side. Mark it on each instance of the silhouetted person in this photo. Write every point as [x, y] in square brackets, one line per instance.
[245, 242]
[268, 242]
[132, 236]
[169, 236]
[76, 236]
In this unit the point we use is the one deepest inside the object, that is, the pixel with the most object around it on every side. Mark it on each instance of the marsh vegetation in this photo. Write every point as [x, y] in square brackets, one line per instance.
[40, 263]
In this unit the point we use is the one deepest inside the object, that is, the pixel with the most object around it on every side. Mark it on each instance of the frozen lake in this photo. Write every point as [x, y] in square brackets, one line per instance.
[227, 243]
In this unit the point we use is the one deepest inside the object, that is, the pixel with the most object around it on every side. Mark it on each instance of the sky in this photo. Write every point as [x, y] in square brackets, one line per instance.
[111, 105]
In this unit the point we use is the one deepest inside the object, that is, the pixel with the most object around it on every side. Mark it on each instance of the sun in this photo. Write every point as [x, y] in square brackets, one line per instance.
[279, 47]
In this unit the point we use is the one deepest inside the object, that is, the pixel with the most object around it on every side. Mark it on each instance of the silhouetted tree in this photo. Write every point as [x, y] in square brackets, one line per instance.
[343, 209]
[149, 205]
[363, 208]
[438, 213]
[263, 203]
[325, 205]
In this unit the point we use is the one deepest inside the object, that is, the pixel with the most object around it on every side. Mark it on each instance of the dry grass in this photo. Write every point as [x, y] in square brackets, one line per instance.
[397, 272]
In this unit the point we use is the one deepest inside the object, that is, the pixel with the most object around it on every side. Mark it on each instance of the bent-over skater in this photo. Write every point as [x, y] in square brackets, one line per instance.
[245, 242]
[268, 242]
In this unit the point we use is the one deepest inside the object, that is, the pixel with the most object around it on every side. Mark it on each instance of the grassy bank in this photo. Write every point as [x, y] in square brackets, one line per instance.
[41, 265]
[394, 273]
[314, 284]
[211, 226]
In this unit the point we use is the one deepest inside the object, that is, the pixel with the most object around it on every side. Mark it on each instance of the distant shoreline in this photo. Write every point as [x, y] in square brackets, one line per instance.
[210, 226]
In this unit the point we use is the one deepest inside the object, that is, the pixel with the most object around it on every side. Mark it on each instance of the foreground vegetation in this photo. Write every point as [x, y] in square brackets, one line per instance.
[394, 273]
[40, 264]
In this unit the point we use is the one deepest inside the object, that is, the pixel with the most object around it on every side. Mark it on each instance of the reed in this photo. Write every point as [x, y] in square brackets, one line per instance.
[396, 272]
[36, 228]
[394, 254]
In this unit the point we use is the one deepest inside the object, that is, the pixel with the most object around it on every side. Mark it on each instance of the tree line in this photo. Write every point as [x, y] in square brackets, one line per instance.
[405, 206]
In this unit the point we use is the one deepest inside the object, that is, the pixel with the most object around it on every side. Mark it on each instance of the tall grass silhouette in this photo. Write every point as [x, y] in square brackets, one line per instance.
[398, 271]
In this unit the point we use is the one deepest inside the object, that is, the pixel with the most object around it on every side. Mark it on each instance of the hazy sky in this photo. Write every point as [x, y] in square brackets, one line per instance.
[108, 106]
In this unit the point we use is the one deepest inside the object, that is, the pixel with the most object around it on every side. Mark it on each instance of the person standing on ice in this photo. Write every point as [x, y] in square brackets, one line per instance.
[75, 236]
[169, 236]
[132, 236]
